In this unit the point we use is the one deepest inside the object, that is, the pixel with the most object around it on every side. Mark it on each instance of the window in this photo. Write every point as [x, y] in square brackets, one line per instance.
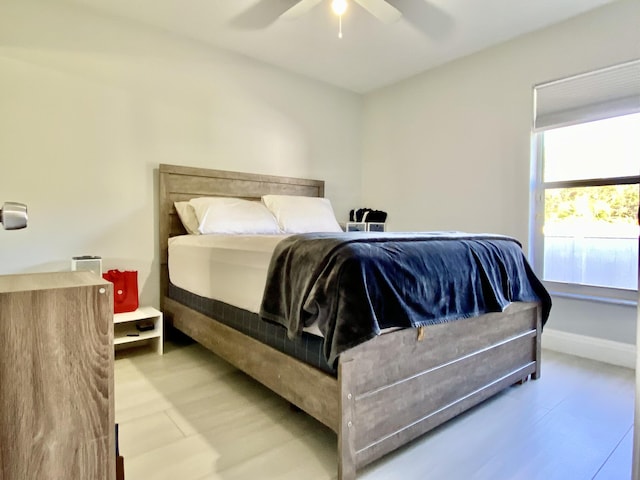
[586, 186]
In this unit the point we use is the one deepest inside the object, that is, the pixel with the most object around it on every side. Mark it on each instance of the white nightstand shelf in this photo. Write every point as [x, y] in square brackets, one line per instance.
[126, 333]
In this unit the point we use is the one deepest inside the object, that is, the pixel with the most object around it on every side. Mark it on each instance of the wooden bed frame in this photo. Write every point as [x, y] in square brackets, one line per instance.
[425, 376]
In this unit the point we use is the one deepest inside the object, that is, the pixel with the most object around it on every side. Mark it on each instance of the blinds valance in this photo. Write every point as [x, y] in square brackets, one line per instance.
[605, 93]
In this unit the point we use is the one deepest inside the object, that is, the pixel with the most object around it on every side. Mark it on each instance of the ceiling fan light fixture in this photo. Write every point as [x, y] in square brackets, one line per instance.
[339, 7]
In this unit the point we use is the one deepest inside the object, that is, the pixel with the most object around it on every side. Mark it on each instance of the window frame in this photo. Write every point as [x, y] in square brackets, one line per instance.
[536, 250]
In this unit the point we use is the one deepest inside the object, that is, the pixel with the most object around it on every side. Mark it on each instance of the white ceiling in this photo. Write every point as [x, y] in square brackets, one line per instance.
[371, 54]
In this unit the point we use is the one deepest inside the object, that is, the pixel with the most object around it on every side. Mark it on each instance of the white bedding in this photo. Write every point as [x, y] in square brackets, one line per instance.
[229, 268]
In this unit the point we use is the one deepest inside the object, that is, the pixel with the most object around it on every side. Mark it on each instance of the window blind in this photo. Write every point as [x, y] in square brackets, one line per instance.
[605, 93]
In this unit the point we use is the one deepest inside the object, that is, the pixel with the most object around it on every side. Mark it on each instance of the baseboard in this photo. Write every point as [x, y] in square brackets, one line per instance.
[615, 353]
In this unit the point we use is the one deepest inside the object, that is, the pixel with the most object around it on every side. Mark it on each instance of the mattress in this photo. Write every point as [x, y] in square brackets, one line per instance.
[229, 268]
[374, 283]
[223, 277]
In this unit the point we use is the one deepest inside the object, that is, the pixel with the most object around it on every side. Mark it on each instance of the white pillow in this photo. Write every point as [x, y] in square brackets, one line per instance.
[297, 214]
[187, 217]
[232, 215]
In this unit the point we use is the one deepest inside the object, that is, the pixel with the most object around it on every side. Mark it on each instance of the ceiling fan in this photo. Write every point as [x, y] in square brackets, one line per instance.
[263, 13]
[422, 15]
[381, 9]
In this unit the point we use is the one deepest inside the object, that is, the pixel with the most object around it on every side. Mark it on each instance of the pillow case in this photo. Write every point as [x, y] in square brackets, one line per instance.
[233, 215]
[188, 217]
[296, 214]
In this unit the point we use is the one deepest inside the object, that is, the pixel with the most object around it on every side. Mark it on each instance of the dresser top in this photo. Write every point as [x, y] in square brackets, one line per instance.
[48, 281]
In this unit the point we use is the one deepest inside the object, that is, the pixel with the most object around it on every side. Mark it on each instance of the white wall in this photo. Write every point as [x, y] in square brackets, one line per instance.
[90, 105]
[450, 148]
[635, 462]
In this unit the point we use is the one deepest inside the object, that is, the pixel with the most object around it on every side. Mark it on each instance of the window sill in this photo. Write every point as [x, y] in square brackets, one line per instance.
[590, 298]
[593, 294]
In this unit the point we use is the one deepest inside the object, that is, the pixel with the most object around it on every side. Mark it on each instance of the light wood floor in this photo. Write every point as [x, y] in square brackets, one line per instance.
[188, 415]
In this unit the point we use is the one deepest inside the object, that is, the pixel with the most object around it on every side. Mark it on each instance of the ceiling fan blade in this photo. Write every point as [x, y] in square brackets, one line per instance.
[424, 16]
[380, 9]
[299, 9]
[262, 14]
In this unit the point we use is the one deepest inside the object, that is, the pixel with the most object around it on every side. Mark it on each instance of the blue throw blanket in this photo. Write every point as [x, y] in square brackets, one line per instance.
[356, 284]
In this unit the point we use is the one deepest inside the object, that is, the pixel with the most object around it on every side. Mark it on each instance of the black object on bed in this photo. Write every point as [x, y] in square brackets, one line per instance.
[357, 284]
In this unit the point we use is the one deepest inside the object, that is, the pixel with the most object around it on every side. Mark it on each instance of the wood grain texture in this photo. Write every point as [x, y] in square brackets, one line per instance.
[442, 343]
[348, 420]
[290, 378]
[390, 389]
[56, 377]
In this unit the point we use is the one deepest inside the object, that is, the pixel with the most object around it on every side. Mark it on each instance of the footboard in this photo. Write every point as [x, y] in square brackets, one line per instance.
[428, 376]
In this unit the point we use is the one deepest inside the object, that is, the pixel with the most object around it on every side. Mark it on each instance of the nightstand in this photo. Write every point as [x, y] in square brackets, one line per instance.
[126, 333]
[56, 377]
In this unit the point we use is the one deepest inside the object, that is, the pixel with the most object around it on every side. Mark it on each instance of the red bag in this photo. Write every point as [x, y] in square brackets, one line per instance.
[125, 290]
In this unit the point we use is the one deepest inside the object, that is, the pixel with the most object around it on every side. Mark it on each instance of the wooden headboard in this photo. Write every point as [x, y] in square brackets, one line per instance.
[182, 183]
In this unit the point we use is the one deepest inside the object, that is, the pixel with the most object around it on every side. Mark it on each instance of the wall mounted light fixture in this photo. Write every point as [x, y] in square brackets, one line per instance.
[13, 216]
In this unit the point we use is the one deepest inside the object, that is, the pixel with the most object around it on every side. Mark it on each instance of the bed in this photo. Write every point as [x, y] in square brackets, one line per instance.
[423, 376]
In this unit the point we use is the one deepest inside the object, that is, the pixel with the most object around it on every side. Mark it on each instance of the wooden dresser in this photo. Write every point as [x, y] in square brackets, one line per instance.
[56, 377]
